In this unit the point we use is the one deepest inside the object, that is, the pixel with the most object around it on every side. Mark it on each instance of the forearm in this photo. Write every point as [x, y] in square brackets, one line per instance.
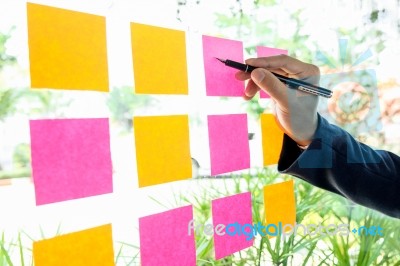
[335, 161]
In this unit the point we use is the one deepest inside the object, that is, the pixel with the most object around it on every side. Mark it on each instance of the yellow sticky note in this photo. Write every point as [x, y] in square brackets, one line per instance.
[272, 138]
[159, 60]
[67, 49]
[162, 149]
[279, 203]
[84, 248]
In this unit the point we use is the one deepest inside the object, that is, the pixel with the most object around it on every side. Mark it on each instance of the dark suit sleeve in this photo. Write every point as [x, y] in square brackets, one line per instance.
[336, 162]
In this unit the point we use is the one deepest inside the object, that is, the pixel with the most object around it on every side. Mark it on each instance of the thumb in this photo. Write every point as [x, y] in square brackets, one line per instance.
[270, 84]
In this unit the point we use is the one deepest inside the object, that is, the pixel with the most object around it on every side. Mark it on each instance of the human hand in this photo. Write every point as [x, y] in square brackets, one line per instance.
[294, 110]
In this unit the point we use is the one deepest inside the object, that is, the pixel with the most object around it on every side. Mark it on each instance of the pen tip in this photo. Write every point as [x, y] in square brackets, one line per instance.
[221, 60]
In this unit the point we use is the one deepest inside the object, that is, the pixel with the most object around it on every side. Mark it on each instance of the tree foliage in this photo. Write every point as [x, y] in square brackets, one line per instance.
[4, 57]
[123, 103]
[7, 96]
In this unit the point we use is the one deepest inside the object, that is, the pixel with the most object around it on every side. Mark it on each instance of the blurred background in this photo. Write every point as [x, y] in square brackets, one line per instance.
[346, 39]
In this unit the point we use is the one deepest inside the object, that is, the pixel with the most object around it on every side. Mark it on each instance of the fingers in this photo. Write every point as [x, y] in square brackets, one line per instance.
[281, 72]
[242, 75]
[251, 90]
[266, 81]
[262, 78]
[245, 75]
[290, 65]
[278, 61]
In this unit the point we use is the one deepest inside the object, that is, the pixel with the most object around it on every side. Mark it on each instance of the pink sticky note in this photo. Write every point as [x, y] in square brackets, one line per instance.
[70, 159]
[166, 240]
[235, 213]
[220, 79]
[263, 51]
[229, 143]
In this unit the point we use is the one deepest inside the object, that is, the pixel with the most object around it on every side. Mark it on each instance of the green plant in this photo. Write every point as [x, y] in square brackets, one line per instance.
[43, 102]
[21, 156]
[22, 172]
[13, 249]
[8, 99]
[127, 254]
[313, 206]
[123, 104]
[5, 250]
[7, 96]
[5, 58]
[265, 250]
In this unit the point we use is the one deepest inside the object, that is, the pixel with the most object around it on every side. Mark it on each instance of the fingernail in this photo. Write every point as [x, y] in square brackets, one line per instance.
[258, 75]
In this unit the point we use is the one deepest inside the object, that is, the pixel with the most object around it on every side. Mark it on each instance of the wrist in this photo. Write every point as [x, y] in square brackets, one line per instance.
[305, 142]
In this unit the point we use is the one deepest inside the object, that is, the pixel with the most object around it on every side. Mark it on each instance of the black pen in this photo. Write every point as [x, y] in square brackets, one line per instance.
[293, 83]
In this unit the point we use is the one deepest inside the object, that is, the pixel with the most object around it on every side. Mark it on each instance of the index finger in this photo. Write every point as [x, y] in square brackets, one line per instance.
[289, 64]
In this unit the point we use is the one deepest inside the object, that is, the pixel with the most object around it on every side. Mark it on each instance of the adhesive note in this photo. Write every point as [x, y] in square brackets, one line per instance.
[159, 60]
[234, 212]
[166, 240]
[162, 149]
[220, 79]
[280, 204]
[272, 139]
[263, 51]
[67, 49]
[84, 248]
[229, 143]
[70, 159]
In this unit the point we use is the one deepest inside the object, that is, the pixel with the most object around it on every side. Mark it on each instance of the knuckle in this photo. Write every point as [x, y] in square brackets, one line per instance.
[283, 56]
[315, 69]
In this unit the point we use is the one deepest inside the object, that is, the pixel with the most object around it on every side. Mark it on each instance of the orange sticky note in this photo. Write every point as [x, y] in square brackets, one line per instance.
[67, 49]
[272, 138]
[84, 248]
[162, 149]
[159, 60]
[280, 204]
